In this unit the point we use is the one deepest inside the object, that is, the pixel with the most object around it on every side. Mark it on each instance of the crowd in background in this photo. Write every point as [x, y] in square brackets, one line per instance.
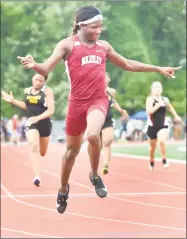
[12, 130]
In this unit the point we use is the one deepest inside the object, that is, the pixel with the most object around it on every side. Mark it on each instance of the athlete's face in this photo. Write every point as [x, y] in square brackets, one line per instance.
[157, 89]
[93, 30]
[38, 81]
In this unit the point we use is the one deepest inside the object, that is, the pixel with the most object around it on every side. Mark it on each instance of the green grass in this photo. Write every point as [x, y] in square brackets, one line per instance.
[173, 151]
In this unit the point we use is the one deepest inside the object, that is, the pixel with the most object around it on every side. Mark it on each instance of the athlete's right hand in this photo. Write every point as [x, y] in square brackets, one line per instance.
[7, 97]
[27, 62]
[162, 103]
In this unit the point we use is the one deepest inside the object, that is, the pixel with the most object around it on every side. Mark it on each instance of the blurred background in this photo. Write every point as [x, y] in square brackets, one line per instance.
[150, 32]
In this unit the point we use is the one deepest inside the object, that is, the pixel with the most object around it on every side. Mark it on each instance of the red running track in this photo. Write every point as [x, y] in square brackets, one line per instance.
[140, 203]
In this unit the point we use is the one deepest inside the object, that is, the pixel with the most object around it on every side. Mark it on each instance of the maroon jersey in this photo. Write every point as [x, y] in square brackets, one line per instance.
[86, 69]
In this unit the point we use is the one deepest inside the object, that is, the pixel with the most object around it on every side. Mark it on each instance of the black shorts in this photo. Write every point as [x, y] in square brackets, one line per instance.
[108, 123]
[153, 130]
[44, 127]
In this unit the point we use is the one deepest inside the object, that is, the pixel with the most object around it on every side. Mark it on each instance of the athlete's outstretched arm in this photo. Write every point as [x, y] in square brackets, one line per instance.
[135, 66]
[44, 68]
[10, 99]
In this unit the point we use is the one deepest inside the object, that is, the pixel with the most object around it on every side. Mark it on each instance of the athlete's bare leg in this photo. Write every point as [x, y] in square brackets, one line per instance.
[44, 142]
[33, 141]
[152, 148]
[162, 137]
[95, 121]
[73, 145]
[107, 137]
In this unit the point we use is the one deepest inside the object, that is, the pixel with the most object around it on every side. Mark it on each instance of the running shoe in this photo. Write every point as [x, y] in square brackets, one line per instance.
[100, 188]
[62, 200]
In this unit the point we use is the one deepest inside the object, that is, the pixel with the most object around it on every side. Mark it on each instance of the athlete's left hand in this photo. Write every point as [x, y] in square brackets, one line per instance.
[124, 113]
[169, 71]
[177, 119]
[33, 120]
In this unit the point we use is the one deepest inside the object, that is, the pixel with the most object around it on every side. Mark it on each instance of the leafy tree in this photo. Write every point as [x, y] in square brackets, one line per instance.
[150, 32]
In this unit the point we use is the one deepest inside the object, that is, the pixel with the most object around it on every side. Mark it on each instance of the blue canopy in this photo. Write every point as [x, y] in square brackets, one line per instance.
[141, 115]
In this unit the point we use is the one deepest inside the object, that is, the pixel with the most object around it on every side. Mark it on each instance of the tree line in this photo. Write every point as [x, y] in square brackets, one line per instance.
[150, 32]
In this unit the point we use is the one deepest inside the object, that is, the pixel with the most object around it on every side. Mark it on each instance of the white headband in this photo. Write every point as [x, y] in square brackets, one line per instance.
[96, 18]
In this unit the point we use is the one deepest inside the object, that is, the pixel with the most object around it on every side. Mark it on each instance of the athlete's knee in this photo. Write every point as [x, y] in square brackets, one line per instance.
[161, 141]
[34, 147]
[107, 143]
[93, 138]
[42, 153]
[71, 153]
[152, 147]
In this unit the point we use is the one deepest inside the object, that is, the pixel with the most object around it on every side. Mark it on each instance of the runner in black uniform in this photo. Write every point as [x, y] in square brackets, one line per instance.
[156, 106]
[36, 105]
[107, 132]
[39, 104]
